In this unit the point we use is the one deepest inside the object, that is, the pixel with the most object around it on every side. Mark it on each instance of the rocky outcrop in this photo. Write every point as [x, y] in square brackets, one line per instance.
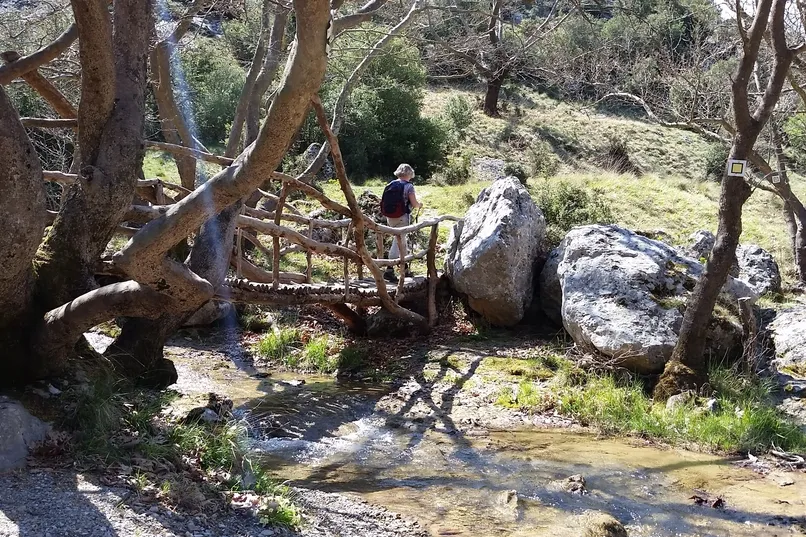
[700, 244]
[492, 253]
[758, 268]
[328, 170]
[754, 265]
[789, 337]
[623, 295]
[19, 433]
[487, 168]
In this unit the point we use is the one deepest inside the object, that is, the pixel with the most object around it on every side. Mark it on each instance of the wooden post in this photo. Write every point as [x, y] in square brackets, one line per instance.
[238, 261]
[347, 263]
[379, 245]
[278, 213]
[309, 269]
[431, 262]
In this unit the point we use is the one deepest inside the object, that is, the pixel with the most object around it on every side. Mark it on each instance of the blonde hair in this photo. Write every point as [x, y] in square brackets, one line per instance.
[404, 169]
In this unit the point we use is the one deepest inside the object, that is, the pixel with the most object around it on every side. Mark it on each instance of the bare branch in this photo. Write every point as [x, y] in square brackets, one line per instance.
[18, 68]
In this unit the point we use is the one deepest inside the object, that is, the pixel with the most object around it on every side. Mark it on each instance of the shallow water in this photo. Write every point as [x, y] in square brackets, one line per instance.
[462, 485]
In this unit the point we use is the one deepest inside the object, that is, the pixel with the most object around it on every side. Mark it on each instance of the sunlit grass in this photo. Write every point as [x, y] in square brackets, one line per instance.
[745, 419]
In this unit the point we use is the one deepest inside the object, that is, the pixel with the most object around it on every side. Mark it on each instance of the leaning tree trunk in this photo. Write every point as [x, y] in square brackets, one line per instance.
[22, 219]
[795, 212]
[138, 351]
[687, 367]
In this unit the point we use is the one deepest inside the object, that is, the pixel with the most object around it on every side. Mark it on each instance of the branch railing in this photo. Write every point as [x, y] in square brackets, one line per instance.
[292, 232]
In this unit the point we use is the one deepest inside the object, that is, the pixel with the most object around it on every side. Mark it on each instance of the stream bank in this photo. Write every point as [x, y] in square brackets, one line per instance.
[434, 448]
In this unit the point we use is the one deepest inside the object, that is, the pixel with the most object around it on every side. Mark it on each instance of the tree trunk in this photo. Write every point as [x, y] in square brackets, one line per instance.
[794, 211]
[268, 71]
[491, 95]
[111, 121]
[137, 352]
[686, 369]
[22, 217]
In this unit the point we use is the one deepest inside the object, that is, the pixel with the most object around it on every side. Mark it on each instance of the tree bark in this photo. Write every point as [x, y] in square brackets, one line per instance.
[492, 94]
[22, 217]
[172, 122]
[794, 211]
[268, 71]
[111, 121]
[137, 352]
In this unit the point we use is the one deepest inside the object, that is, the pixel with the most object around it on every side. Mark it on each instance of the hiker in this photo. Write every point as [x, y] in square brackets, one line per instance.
[396, 204]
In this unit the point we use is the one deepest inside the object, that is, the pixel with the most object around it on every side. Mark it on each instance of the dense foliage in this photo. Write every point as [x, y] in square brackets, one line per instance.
[383, 123]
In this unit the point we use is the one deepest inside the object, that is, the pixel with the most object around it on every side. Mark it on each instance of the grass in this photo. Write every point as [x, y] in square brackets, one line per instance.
[746, 419]
[294, 350]
[118, 424]
[280, 346]
[316, 355]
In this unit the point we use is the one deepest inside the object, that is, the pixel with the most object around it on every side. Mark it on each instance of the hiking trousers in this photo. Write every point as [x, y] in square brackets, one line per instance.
[403, 221]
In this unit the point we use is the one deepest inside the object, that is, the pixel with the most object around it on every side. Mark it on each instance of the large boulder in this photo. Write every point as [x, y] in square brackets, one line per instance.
[758, 268]
[492, 253]
[487, 168]
[19, 433]
[789, 337]
[623, 295]
[328, 170]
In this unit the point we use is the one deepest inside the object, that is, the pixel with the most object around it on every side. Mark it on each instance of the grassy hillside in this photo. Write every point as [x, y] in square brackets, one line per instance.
[670, 194]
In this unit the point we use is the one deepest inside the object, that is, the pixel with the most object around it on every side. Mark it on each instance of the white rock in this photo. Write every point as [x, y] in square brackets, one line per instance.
[492, 253]
[621, 294]
[758, 268]
[19, 433]
[789, 337]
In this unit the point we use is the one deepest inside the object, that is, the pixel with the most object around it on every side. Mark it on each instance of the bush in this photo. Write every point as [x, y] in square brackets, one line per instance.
[617, 157]
[383, 125]
[213, 87]
[456, 172]
[565, 206]
[280, 346]
[542, 160]
[716, 159]
[459, 115]
[515, 169]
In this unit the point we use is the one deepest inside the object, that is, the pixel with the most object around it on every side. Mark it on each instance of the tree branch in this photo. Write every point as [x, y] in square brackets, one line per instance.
[21, 66]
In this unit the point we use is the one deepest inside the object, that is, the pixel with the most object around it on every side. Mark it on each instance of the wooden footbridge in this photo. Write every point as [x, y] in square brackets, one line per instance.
[361, 282]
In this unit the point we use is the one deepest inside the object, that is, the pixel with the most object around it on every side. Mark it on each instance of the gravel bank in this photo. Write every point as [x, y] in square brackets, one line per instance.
[67, 504]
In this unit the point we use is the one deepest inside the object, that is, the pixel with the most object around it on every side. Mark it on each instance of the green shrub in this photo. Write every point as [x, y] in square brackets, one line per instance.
[459, 114]
[542, 160]
[617, 156]
[383, 125]
[280, 346]
[456, 172]
[565, 206]
[515, 169]
[214, 83]
[716, 159]
[316, 355]
[352, 359]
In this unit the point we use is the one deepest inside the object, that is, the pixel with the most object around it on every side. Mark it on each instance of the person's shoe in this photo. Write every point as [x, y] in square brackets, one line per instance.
[389, 276]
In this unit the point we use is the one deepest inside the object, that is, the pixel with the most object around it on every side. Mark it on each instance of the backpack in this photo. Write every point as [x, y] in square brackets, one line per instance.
[393, 201]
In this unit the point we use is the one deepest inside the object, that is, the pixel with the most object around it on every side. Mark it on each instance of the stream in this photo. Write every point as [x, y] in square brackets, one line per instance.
[317, 433]
[513, 482]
